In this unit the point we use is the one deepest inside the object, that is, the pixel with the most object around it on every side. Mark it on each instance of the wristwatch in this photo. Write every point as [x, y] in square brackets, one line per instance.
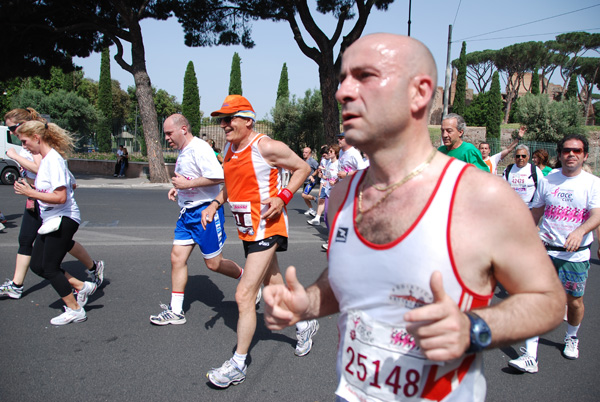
[481, 335]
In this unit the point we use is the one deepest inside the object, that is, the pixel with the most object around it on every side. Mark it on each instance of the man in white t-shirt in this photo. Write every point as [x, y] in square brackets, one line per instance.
[198, 174]
[523, 176]
[494, 160]
[350, 159]
[568, 202]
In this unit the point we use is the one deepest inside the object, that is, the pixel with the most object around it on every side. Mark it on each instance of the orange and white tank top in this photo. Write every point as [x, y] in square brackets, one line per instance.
[250, 179]
[376, 284]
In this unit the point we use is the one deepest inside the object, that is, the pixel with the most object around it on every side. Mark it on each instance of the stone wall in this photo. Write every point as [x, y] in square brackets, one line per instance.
[107, 168]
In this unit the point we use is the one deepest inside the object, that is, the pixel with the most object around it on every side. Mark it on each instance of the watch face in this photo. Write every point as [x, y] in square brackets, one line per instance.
[484, 336]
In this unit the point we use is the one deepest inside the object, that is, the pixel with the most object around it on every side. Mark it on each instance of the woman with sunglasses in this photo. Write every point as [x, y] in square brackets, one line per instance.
[31, 220]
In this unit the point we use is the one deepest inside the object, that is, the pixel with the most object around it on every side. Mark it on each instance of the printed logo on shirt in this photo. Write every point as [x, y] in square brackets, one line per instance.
[342, 235]
[565, 195]
[410, 296]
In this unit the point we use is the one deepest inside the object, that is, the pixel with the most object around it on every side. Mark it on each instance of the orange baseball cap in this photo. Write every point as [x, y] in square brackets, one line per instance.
[233, 104]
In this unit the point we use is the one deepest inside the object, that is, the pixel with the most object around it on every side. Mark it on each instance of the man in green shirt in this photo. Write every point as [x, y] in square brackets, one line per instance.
[453, 128]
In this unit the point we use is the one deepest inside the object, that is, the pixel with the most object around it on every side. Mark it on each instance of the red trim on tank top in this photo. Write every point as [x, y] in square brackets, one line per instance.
[410, 229]
[483, 298]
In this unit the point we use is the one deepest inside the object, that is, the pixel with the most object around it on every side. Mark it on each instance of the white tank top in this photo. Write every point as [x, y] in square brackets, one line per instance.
[376, 285]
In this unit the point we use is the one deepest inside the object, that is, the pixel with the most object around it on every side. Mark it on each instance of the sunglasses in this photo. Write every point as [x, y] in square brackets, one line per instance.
[13, 129]
[576, 151]
[520, 156]
[226, 119]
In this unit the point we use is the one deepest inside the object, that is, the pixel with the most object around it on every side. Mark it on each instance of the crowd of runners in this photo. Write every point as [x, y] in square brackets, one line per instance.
[413, 255]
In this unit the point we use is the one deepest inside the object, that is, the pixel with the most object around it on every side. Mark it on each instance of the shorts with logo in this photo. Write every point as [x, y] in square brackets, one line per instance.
[573, 275]
[189, 231]
[261, 245]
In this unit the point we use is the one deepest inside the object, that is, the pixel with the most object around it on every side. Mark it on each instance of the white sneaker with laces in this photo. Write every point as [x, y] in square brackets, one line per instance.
[226, 375]
[82, 296]
[69, 316]
[310, 212]
[97, 275]
[304, 344]
[168, 316]
[315, 221]
[525, 363]
[571, 350]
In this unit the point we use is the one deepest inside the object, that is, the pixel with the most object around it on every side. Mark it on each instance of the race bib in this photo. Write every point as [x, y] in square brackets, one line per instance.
[380, 362]
[242, 213]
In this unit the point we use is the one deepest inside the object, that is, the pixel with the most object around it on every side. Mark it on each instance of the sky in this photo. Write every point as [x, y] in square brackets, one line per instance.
[482, 24]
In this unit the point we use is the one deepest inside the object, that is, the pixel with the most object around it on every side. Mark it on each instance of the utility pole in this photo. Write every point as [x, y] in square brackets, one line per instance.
[409, 8]
[448, 74]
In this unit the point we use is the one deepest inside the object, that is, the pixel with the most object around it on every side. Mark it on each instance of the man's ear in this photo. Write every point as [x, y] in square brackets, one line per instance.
[422, 90]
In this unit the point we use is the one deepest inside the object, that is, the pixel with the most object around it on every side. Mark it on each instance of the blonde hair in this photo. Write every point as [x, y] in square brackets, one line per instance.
[50, 133]
[23, 115]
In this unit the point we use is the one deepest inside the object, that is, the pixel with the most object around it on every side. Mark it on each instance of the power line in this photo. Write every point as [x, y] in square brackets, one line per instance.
[526, 36]
[456, 15]
[529, 23]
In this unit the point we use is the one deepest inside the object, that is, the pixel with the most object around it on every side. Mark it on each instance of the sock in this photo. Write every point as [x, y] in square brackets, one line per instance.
[301, 326]
[93, 268]
[531, 345]
[317, 216]
[239, 360]
[572, 330]
[15, 284]
[241, 273]
[177, 302]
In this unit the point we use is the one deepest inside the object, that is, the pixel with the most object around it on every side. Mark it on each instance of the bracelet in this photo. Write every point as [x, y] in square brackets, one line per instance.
[286, 195]
[218, 203]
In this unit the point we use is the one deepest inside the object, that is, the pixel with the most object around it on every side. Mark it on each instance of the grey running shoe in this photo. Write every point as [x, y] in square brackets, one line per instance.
[525, 363]
[304, 344]
[97, 275]
[167, 316]
[69, 316]
[82, 296]
[226, 375]
[9, 289]
[571, 350]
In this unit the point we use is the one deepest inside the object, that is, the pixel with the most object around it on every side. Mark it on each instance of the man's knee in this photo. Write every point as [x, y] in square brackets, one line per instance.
[214, 263]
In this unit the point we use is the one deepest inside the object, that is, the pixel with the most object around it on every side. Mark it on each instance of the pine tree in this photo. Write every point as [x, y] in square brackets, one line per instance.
[235, 77]
[104, 105]
[461, 83]
[535, 82]
[283, 90]
[572, 88]
[190, 105]
[494, 108]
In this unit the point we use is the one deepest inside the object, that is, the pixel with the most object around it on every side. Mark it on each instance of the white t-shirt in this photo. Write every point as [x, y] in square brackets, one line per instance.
[351, 160]
[494, 160]
[330, 176]
[521, 180]
[52, 174]
[27, 155]
[196, 160]
[568, 202]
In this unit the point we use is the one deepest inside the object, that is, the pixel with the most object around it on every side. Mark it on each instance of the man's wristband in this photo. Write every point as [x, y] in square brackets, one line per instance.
[286, 195]
[218, 203]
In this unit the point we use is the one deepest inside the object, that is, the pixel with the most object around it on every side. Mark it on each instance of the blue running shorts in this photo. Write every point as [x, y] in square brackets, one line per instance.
[573, 275]
[189, 231]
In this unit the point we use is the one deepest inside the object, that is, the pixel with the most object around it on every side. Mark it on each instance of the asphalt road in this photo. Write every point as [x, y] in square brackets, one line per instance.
[118, 355]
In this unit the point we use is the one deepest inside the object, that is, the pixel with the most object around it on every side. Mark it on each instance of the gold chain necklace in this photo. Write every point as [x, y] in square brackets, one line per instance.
[390, 189]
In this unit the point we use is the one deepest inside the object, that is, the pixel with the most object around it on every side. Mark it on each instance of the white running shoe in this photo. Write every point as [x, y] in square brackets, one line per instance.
[69, 316]
[97, 275]
[325, 246]
[310, 212]
[304, 344]
[571, 350]
[82, 296]
[525, 363]
[167, 316]
[9, 289]
[314, 221]
[226, 375]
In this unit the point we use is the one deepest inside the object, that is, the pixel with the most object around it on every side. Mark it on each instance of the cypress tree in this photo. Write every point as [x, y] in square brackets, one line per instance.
[494, 108]
[535, 82]
[283, 90]
[572, 88]
[190, 105]
[104, 141]
[461, 83]
[235, 77]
